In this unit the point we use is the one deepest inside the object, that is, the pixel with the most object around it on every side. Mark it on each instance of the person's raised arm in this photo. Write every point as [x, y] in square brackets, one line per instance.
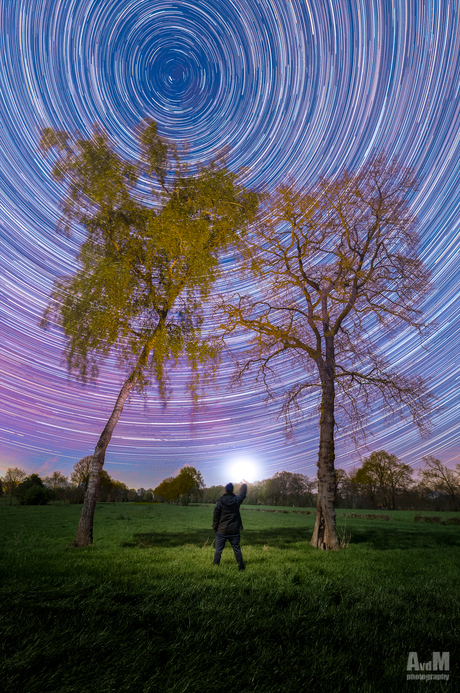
[242, 494]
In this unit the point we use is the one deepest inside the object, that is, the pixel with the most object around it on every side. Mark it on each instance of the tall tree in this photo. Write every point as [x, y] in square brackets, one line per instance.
[13, 477]
[383, 474]
[146, 266]
[174, 487]
[82, 472]
[439, 477]
[56, 481]
[32, 491]
[367, 483]
[287, 488]
[337, 269]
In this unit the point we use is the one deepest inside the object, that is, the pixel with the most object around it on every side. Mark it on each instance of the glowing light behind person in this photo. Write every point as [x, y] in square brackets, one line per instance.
[244, 468]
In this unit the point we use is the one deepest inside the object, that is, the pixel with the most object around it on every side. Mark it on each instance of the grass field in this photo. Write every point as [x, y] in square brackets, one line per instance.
[144, 609]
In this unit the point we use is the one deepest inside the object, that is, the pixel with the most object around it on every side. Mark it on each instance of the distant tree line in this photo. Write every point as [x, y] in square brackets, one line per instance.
[382, 482]
[35, 490]
[284, 488]
[180, 488]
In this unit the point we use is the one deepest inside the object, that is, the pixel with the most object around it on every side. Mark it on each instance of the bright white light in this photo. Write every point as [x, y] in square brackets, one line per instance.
[243, 467]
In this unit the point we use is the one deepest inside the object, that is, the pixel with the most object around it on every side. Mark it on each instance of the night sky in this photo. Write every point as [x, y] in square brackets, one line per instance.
[292, 88]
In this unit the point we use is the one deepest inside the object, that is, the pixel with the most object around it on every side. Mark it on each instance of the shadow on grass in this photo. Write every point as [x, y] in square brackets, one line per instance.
[381, 538]
[387, 538]
[276, 537]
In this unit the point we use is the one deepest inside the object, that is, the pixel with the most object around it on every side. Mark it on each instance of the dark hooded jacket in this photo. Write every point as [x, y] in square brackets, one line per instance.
[227, 518]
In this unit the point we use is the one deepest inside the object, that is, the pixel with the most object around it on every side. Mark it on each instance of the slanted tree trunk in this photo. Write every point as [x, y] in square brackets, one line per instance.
[325, 531]
[84, 535]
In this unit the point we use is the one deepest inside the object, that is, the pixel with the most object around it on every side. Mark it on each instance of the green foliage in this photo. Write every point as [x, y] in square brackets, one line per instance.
[283, 488]
[180, 486]
[32, 491]
[147, 263]
[37, 495]
[211, 494]
[286, 488]
[383, 474]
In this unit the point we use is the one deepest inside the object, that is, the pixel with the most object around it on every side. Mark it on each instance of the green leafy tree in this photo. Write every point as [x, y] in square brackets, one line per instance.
[181, 485]
[146, 266]
[255, 494]
[383, 475]
[338, 267]
[211, 494]
[287, 488]
[32, 491]
[367, 484]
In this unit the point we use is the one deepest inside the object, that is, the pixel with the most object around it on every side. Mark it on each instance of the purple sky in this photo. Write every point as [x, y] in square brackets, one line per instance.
[293, 88]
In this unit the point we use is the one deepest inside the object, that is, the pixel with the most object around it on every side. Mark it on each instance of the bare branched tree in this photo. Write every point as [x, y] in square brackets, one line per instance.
[437, 476]
[337, 268]
[13, 477]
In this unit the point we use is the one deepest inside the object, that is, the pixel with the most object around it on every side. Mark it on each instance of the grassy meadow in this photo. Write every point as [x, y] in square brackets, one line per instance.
[144, 610]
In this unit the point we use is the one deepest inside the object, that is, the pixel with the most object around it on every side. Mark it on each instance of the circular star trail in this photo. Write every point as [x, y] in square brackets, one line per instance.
[293, 89]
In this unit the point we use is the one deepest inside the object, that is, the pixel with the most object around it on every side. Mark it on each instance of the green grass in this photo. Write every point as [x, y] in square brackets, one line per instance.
[144, 609]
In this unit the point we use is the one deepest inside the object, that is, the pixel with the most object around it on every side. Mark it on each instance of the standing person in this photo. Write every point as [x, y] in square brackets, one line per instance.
[227, 523]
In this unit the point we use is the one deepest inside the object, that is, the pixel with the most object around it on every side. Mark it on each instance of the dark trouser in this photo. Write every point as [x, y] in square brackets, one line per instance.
[234, 540]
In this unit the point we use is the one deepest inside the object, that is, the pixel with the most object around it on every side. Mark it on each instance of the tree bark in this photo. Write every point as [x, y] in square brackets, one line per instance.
[325, 531]
[84, 535]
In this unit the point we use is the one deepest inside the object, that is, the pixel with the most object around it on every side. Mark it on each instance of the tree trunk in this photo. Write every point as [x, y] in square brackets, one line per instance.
[325, 531]
[393, 497]
[84, 535]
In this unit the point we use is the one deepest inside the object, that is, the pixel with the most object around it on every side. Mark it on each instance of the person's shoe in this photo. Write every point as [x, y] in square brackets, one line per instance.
[241, 566]
[217, 564]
